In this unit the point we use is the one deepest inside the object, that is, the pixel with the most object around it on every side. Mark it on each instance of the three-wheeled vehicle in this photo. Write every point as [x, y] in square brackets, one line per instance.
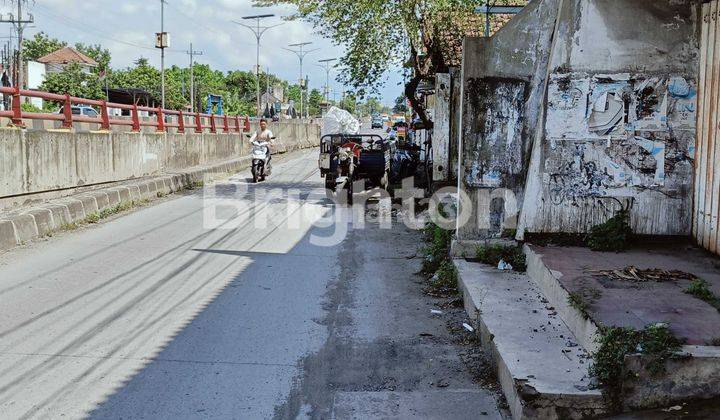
[349, 159]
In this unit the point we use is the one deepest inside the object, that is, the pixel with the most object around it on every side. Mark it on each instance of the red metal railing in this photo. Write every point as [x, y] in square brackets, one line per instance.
[105, 120]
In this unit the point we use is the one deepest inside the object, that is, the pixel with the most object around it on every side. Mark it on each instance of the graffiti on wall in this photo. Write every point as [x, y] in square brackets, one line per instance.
[612, 135]
[493, 131]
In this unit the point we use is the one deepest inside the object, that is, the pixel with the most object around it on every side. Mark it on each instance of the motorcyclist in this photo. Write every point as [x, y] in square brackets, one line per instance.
[264, 134]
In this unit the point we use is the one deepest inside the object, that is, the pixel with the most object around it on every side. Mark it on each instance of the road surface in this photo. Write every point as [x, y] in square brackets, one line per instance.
[174, 311]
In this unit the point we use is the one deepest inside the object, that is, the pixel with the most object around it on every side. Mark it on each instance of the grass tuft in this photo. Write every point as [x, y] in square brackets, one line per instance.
[492, 254]
[656, 342]
[701, 290]
[613, 235]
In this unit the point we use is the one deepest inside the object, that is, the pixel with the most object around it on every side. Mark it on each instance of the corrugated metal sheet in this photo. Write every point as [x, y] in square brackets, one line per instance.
[707, 176]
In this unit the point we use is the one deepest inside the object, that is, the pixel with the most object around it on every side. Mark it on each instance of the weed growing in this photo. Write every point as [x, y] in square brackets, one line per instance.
[612, 235]
[656, 342]
[701, 290]
[492, 254]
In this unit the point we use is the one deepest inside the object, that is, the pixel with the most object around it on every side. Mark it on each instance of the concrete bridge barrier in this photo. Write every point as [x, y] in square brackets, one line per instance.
[36, 164]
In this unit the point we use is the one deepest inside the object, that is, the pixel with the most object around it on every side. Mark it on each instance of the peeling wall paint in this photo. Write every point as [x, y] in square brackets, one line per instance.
[493, 132]
[617, 136]
[620, 119]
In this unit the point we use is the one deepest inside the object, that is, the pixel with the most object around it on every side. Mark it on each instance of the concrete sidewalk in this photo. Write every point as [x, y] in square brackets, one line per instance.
[612, 301]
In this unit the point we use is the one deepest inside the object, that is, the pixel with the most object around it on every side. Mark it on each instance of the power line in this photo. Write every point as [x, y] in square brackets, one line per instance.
[84, 27]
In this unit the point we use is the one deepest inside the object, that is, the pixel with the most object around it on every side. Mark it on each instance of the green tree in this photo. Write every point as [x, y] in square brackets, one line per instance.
[97, 53]
[349, 103]
[315, 99]
[73, 81]
[382, 35]
[40, 45]
[371, 106]
[400, 105]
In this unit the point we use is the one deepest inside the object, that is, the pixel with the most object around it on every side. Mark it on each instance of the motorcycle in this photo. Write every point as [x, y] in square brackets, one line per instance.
[260, 154]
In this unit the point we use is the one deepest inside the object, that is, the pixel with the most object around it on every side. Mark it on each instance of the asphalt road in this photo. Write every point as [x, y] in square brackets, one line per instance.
[225, 305]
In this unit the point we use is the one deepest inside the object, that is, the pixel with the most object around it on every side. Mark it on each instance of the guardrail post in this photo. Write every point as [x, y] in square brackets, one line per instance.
[135, 118]
[17, 109]
[67, 113]
[237, 123]
[160, 120]
[247, 124]
[181, 122]
[198, 123]
[213, 127]
[105, 124]
[226, 126]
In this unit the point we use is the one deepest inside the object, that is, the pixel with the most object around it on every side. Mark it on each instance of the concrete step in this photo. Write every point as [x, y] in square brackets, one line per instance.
[696, 377]
[540, 366]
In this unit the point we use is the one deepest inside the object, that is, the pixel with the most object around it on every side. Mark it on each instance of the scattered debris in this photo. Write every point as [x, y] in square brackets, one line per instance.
[468, 327]
[673, 408]
[502, 265]
[632, 273]
[442, 383]
[435, 312]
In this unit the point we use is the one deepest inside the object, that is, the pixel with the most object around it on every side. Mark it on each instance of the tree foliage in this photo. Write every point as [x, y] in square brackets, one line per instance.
[73, 81]
[40, 45]
[97, 53]
[400, 105]
[237, 88]
[389, 34]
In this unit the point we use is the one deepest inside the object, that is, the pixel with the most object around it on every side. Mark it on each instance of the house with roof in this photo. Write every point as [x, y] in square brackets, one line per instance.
[56, 61]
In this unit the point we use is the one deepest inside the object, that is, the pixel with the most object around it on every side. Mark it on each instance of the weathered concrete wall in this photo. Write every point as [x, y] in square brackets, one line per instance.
[600, 96]
[503, 80]
[620, 119]
[47, 160]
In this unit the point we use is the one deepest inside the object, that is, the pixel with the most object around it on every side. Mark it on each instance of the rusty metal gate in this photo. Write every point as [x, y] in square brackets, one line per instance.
[707, 151]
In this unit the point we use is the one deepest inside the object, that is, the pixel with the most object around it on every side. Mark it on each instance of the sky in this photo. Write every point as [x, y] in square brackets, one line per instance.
[127, 29]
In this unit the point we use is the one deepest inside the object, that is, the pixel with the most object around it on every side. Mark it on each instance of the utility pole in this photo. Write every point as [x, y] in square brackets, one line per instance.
[19, 24]
[162, 43]
[192, 53]
[258, 31]
[326, 65]
[301, 53]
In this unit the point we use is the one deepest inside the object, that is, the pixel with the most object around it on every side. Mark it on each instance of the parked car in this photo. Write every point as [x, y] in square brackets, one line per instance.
[86, 110]
[377, 122]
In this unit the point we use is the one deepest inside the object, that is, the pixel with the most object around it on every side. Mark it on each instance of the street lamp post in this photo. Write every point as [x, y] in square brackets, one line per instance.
[326, 65]
[300, 53]
[258, 31]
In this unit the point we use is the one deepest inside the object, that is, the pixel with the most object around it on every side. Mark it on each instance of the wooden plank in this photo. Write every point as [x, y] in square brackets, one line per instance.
[712, 189]
[701, 135]
[711, 119]
[710, 231]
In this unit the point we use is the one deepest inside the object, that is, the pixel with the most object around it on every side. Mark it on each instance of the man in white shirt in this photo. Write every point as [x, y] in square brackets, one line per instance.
[264, 134]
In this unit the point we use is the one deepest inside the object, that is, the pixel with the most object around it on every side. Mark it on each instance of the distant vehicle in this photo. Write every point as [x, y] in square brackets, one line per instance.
[86, 110]
[399, 119]
[385, 118]
[377, 122]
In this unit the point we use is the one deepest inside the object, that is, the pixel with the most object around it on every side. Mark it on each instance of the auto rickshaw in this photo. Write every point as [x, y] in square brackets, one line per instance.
[346, 159]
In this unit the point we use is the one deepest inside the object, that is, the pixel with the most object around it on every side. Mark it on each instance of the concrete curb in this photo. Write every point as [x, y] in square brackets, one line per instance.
[696, 376]
[530, 363]
[43, 219]
[585, 330]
